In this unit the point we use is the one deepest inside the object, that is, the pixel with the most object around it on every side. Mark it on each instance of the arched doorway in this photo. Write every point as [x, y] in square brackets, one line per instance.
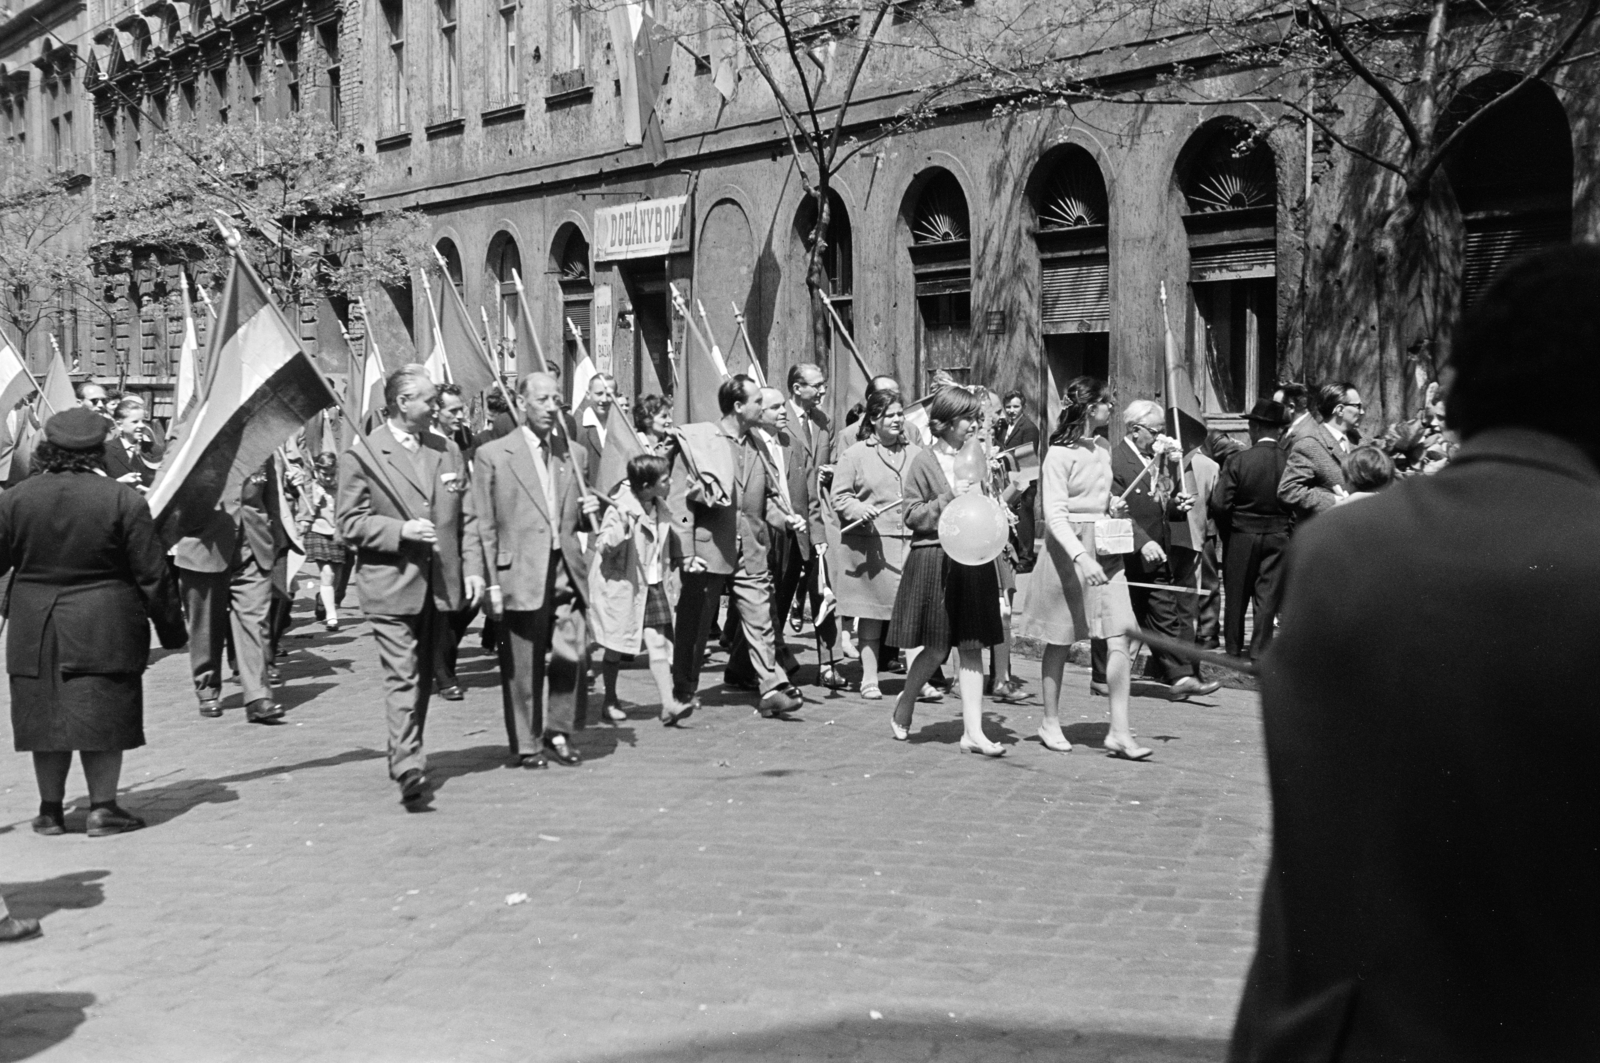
[504, 267]
[1068, 197]
[452, 264]
[941, 268]
[839, 282]
[1228, 177]
[1512, 175]
[569, 261]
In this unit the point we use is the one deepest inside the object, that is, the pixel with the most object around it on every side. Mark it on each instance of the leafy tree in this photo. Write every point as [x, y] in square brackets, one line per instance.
[1380, 85]
[43, 268]
[293, 187]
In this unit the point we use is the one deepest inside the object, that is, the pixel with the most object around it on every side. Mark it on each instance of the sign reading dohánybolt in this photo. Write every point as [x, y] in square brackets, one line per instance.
[645, 229]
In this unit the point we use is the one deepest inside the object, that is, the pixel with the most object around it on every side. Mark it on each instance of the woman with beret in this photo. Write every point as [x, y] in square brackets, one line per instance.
[88, 577]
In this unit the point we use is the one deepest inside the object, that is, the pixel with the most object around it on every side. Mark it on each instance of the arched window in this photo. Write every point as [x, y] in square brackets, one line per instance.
[941, 268]
[505, 266]
[452, 264]
[570, 257]
[1512, 175]
[1068, 196]
[1230, 189]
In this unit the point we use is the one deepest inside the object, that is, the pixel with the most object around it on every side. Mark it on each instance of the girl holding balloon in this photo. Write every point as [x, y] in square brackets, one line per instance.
[943, 602]
[1078, 588]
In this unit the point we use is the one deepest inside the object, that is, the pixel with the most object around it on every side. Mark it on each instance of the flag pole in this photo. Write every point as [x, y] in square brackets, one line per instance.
[583, 352]
[440, 333]
[44, 400]
[527, 315]
[755, 370]
[844, 334]
[711, 353]
[488, 337]
[741, 334]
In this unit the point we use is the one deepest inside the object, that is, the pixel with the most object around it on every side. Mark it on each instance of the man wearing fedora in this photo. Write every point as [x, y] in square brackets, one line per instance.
[1254, 524]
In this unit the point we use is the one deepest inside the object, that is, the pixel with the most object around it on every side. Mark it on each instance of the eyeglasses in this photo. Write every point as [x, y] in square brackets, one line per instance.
[1144, 427]
[1355, 405]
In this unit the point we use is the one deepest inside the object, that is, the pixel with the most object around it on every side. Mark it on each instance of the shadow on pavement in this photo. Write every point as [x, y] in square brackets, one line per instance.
[454, 763]
[940, 1039]
[1087, 734]
[160, 804]
[949, 731]
[36, 900]
[33, 1022]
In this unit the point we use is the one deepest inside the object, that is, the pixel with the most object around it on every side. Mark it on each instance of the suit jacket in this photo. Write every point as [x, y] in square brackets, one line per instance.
[1299, 428]
[515, 526]
[396, 577]
[86, 557]
[1151, 520]
[251, 531]
[1431, 894]
[806, 448]
[726, 537]
[1314, 469]
[1246, 496]
[1022, 434]
[119, 464]
[588, 439]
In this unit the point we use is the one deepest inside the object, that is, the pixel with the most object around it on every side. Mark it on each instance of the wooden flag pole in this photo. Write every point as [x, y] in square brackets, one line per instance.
[488, 337]
[741, 334]
[527, 315]
[755, 370]
[583, 352]
[711, 353]
[844, 334]
[56, 348]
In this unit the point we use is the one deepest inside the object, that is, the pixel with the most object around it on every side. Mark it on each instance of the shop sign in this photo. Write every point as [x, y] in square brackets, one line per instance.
[647, 229]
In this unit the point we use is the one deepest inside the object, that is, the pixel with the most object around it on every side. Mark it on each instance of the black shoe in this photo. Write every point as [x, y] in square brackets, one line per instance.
[274, 677]
[211, 707]
[780, 702]
[113, 820]
[557, 746]
[741, 682]
[15, 929]
[263, 710]
[413, 786]
[532, 760]
[49, 825]
[451, 693]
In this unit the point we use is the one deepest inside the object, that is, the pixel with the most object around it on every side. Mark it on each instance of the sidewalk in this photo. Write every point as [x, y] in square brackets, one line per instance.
[738, 889]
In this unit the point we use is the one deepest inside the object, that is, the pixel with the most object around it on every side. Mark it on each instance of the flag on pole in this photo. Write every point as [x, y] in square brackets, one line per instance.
[15, 380]
[370, 379]
[260, 388]
[584, 371]
[622, 445]
[643, 48]
[188, 382]
[1185, 423]
[437, 363]
[530, 355]
[470, 365]
[56, 394]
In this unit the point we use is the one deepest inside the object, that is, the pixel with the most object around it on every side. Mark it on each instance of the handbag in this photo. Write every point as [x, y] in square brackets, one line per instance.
[1113, 535]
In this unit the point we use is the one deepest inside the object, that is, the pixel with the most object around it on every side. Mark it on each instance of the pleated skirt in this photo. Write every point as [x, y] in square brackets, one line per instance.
[942, 603]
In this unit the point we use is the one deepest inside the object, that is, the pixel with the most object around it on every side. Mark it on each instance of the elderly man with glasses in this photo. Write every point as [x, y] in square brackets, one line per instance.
[1313, 481]
[1155, 503]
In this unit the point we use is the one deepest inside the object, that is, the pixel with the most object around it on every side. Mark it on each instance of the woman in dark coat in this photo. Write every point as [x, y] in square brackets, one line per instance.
[88, 576]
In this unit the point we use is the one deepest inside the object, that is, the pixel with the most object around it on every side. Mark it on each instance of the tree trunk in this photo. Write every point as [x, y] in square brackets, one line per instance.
[1419, 286]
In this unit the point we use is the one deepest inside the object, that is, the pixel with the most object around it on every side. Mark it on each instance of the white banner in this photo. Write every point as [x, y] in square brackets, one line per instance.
[647, 229]
[602, 327]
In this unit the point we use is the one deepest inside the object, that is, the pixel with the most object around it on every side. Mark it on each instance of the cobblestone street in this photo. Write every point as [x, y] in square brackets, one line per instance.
[739, 889]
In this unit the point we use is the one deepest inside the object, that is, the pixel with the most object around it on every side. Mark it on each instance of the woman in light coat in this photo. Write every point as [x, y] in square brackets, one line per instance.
[635, 552]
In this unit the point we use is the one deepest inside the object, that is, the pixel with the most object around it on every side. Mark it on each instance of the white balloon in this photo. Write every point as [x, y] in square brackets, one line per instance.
[973, 529]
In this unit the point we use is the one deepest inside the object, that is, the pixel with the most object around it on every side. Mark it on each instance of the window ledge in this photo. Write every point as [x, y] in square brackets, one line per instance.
[569, 86]
[505, 112]
[402, 138]
[445, 127]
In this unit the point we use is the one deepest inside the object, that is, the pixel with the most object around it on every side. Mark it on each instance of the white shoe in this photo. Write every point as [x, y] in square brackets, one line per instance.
[1053, 739]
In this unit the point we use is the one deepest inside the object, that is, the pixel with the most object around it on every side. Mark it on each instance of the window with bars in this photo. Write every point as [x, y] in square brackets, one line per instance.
[394, 66]
[447, 73]
[328, 36]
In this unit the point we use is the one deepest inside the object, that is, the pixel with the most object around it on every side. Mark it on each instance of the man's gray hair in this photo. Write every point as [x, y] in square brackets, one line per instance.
[401, 381]
[1140, 411]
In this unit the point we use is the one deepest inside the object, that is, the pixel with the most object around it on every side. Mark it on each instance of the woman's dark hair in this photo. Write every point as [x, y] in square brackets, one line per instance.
[645, 410]
[950, 404]
[1368, 469]
[647, 470]
[1080, 394]
[51, 458]
[495, 401]
[878, 404]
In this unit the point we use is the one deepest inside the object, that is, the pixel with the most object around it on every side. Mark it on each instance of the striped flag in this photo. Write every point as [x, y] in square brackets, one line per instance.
[15, 380]
[371, 379]
[188, 382]
[469, 362]
[260, 388]
[56, 394]
[437, 364]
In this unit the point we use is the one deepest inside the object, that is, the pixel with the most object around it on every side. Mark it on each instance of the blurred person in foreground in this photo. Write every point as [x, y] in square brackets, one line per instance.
[1431, 889]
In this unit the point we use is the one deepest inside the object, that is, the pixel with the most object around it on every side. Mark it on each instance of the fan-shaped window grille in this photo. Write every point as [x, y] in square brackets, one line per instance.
[1074, 266]
[941, 213]
[574, 261]
[1234, 171]
[941, 264]
[577, 294]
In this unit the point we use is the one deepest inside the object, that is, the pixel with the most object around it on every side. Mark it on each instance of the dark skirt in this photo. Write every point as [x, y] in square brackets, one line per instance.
[324, 549]
[942, 603]
[59, 713]
[657, 610]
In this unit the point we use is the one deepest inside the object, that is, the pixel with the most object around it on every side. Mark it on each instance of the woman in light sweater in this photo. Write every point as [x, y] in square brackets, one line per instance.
[1075, 593]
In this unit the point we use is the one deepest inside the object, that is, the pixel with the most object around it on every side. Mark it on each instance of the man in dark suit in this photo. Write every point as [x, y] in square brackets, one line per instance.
[1313, 479]
[725, 517]
[1296, 400]
[1018, 431]
[1254, 526]
[1431, 890]
[225, 573]
[405, 506]
[1156, 504]
[530, 508]
[450, 421]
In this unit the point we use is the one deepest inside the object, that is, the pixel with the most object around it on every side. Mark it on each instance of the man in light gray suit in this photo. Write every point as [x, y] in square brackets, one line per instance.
[405, 506]
[531, 504]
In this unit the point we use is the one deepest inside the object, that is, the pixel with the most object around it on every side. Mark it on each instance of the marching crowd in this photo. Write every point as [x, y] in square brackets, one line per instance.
[591, 535]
